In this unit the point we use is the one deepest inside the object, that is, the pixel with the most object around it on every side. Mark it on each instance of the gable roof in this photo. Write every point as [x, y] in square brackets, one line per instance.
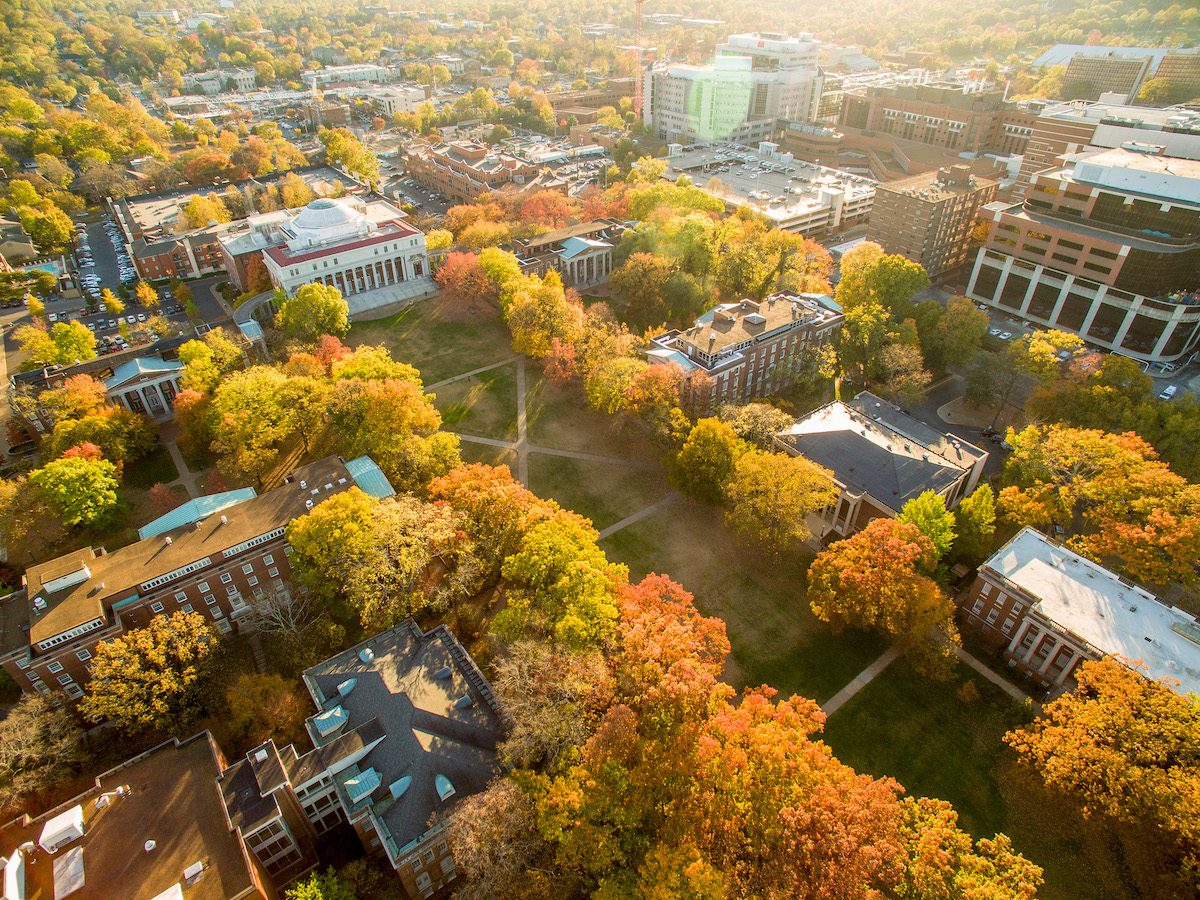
[143, 365]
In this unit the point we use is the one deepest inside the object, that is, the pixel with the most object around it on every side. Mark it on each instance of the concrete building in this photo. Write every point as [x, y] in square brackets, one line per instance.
[345, 75]
[1060, 128]
[152, 827]
[1091, 75]
[1044, 609]
[1106, 246]
[741, 351]
[462, 170]
[406, 727]
[967, 118]
[196, 561]
[218, 81]
[929, 218]
[796, 196]
[391, 99]
[881, 458]
[582, 254]
[368, 251]
[754, 80]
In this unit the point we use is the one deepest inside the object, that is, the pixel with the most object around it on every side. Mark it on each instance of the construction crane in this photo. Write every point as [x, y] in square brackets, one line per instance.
[637, 54]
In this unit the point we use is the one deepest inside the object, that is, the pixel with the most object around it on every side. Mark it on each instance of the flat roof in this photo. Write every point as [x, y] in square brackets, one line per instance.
[172, 800]
[1112, 614]
[875, 448]
[731, 324]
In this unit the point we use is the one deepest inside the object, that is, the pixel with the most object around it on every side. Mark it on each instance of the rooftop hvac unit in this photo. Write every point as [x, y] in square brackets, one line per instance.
[466, 701]
[445, 787]
[346, 687]
[62, 829]
[443, 674]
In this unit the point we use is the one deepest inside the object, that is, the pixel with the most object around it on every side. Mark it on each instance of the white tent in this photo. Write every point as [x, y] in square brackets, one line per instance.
[62, 829]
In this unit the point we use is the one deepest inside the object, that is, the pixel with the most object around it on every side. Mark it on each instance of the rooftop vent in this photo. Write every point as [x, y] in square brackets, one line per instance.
[347, 686]
[443, 673]
[224, 520]
[150, 845]
[193, 872]
[445, 787]
[168, 540]
[303, 484]
[366, 654]
[330, 721]
[399, 786]
[466, 701]
[260, 755]
[308, 504]
[361, 785]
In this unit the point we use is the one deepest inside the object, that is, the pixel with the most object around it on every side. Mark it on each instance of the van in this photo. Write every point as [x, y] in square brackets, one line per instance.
[1168, 392]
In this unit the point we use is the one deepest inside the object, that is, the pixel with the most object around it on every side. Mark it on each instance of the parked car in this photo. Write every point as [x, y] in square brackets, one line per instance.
[1168, 392]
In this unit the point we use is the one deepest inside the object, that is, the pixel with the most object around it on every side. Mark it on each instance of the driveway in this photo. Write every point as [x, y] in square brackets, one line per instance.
[951, 388]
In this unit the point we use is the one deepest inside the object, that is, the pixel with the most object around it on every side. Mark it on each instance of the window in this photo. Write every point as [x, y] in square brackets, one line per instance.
[55, 666]
[977, 606]
[447, 865]
[186, 607]
[74, 691]
[203, 585]
[83, 655]
[252, 580]
[226, 578]
[1007, 627]
[992, 616]
[224, 627]
[65, 679]
[273, 571]
[217, 612]
[156, 607]
[427, 857]
[269, 559]
[209, 599]
[231, 590]
[181, 596]
[248, 568]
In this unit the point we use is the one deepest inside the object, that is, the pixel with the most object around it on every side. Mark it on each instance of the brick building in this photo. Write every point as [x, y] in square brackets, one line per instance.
[929, 218]
[582, 254]
[740, 351]
[406, 726]
[1044, 609]
[462, 170]
[881, 458]
[211, 558]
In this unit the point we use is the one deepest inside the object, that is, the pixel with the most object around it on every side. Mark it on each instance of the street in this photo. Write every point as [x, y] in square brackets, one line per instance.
[945, 391]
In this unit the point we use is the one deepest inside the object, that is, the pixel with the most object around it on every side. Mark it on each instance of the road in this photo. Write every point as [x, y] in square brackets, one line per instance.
[951, 388]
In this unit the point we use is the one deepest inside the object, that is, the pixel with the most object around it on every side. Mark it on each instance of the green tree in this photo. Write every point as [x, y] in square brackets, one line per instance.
[975, 520]
[960, 330]
[252, 422]
[770, 496]
[704, 464]
[928, 513]
[82, 491]
[331, 539]
[153, 677]
[320, 886]
[201, 211]
[316, 309]
[756, 423]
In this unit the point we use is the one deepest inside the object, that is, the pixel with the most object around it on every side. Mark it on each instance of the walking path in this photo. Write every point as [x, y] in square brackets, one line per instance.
[515, 446]
[522, 447]
[861, 680]
[474, 372]
[1004, 684]
[188, 480]
[644, 512]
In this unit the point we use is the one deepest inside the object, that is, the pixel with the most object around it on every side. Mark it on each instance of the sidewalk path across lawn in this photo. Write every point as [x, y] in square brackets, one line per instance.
[861, 680]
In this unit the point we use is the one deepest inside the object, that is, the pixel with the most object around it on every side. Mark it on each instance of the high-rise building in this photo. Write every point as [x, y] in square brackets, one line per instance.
[928, 218]
[754, 80]
[1090, 75]
[1107, 246]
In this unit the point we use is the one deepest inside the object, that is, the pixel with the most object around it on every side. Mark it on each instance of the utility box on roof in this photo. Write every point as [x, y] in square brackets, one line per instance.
[62, 829]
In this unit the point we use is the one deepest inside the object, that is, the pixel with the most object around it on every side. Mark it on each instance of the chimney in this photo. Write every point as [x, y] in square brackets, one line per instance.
[168, 540]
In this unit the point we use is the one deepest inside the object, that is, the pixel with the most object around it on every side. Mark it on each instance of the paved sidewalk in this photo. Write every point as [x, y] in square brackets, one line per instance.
[472, 373]
[861, 680]
[522, 447]
[1004, 684]
[643, 513]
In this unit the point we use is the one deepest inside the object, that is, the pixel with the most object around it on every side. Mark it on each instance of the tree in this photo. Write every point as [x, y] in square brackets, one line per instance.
[39, 746]
[153, 677]
[330, 539]
[905, 378]
[316, 309]
[65, 344]
[464, 283]
[704, 465]
[262, 707]
[251, 422]
[76, 397]
[927, 511]
[113, 304]
[201, 211]
[1127, 747]
[82, 491]
[875, 579]
[868, 275]
[861, 341]
[770, 496]
[493, 836]
[344, 149]
[756, 423]
[119, 434]
[607, 387]
[320, 886]
[37, 309]
[295, 192]
[960, 330]
[540, 313]
[146, 294]
[975, 519]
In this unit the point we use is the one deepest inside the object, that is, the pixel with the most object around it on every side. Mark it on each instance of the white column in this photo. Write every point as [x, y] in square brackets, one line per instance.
[1027, 656]
[1022, 630]
[1053, 652]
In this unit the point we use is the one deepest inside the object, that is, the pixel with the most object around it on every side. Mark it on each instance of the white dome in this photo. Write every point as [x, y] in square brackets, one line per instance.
[324, 213]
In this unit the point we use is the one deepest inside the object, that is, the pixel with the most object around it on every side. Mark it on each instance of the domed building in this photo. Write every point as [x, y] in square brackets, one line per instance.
[364, 248]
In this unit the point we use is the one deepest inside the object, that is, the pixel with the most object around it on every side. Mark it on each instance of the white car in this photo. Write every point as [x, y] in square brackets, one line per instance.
[994, 332]
[1168, 392]
[1005, 335]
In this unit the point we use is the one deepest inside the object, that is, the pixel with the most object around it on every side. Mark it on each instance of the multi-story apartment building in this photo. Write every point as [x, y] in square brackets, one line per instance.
[346, 74]
[151, 827]
[1090, 75]
[970, 117]
[880, 458]
[1106, 246]
[216, 81]
[462, 170]
[582, 254]
[740, 351]
[1045, 609]
[406, 727]
[755, 80]
[213, 557]
[929, 218]
[1060, 128]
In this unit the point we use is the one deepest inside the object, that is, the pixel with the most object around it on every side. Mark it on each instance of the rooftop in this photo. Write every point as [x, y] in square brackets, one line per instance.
[78, 588]
[731, 324]
[1113, 615]
[938, 185]
[172, 801]
[875, 448]
[438, 718]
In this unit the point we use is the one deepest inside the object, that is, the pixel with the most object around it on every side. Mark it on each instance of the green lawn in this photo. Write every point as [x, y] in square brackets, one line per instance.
[492, 456]
[557, 416]
[437, 344]
[939, 745]
[484, 404]
[604, 493]
[775, 638]
[154, 468]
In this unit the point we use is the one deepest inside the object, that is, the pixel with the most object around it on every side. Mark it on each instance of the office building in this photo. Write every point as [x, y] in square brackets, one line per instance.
[345, 75]
[741, 351]
[1091, 75]
[1045, 609]
[1106, 246]
[880, 458]
[213, 557]
[390, 99]
[406, 727]
[803, 197]
[462, 170]
[1060, 128]
[754, 80]
[219, 81]
[152, 827]
[929, 218]
[368, 251]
